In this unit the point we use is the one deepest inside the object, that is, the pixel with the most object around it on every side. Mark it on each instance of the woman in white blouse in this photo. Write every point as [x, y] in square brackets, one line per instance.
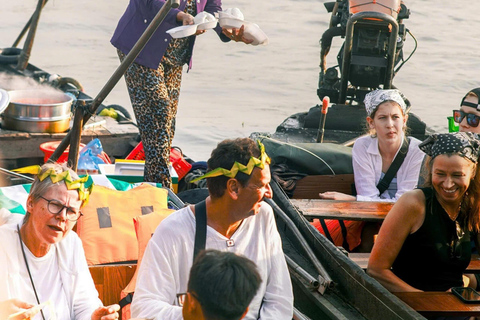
[374, 154]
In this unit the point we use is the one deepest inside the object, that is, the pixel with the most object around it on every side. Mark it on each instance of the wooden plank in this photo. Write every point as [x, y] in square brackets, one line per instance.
[474, 266]
[343, 210]
[110, 280]
[115, 139]
[444, 304]
[362, 260]
[310, 186]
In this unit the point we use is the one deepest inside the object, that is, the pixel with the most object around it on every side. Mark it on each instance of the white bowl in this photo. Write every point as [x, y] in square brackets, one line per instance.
[253, 32]
[232, 13]
[230, 23]
[207, 25]
[182, 31]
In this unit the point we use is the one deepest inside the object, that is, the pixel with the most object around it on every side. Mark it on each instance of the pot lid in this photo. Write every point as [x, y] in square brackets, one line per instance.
[4, 100]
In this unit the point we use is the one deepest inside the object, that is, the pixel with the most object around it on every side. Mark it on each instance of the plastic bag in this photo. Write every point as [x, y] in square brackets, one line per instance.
[90, 157]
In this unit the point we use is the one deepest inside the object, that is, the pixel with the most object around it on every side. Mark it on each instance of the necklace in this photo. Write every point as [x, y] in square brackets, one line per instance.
[28, 269]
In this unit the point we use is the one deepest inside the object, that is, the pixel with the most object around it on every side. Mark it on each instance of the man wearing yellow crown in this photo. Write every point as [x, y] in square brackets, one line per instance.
[233, 218]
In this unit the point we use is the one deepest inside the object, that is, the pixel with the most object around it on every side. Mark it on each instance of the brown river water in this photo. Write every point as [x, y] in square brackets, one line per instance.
[235, 89]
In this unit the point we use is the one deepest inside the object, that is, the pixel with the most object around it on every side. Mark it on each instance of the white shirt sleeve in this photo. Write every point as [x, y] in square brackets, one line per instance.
[156, 288]
[278, 297]
[364, 169]
[85, 298]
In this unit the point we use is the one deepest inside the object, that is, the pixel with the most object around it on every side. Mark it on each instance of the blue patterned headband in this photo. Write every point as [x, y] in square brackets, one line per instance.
[375, 98]
[465, 144]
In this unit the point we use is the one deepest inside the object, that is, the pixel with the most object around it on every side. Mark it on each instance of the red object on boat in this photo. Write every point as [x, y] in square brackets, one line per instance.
[137, 153]
[49, 147]
[181, 166]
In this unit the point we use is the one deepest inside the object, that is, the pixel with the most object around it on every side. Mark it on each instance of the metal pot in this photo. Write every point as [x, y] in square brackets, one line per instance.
[38, 111]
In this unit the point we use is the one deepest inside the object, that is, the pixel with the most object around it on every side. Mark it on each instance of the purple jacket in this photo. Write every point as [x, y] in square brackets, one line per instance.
[138, 16]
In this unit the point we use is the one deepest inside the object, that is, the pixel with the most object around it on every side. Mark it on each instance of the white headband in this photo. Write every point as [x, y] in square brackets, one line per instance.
[375, 98]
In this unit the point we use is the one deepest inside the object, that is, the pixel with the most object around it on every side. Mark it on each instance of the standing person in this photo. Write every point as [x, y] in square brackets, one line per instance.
[221, 286]
[468, 116]
[424, 242]
[235, 220]
[43, 262]
[153, 79]
[386, 163]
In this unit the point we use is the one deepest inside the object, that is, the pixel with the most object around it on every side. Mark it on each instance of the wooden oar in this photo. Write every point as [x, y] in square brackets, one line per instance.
[85, 112]
[25, 28]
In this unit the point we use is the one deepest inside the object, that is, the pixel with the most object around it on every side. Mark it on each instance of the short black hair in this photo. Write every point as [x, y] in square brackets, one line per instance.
[224, 156]
[224, 284]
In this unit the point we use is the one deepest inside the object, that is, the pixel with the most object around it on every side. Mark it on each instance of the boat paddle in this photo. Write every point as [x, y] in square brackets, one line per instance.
[323, 116]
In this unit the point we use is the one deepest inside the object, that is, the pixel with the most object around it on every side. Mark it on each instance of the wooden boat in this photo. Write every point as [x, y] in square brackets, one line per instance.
[327, 284]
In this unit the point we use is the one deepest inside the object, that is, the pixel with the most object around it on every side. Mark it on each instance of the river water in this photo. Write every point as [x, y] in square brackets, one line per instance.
[235, 89]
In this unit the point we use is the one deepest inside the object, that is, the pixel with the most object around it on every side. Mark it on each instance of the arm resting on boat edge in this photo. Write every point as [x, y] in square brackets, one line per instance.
[405, 217]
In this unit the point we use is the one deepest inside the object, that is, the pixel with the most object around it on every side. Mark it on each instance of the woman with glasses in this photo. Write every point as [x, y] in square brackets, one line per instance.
[468, 116]
[424, 242]
[43, 263]
[379, 175]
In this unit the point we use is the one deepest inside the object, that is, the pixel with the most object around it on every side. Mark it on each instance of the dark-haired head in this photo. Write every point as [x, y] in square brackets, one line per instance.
[224, 156]
[223, 283]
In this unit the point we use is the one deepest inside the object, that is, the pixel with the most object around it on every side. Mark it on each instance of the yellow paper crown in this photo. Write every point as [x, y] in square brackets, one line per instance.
[79, 184]
[238, 167]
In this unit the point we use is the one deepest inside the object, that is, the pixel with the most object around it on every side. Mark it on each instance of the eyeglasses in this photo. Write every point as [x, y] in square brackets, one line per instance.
[472, 119]
[181, 298]
[55, 207]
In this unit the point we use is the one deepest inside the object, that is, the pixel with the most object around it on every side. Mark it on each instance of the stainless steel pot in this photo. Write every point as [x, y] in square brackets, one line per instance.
[38, 111]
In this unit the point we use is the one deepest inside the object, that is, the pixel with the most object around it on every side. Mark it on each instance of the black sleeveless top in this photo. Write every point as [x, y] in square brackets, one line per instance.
[436, 255]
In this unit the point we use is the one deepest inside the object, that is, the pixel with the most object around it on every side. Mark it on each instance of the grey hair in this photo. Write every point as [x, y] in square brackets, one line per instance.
[39, 188]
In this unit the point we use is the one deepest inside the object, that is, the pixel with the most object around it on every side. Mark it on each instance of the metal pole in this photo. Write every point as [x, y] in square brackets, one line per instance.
[147, 34]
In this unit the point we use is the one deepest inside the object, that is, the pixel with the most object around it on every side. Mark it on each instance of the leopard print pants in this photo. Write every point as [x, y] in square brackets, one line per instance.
[154, 95]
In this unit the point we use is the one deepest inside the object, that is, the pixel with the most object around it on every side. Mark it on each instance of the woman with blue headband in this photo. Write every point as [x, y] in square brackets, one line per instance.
[424, 242]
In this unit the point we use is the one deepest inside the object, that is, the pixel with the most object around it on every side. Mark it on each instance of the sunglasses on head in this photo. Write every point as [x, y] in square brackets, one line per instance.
[472, 119]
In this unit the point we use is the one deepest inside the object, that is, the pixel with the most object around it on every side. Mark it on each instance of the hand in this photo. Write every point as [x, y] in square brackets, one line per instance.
[236, 34]
[15, 309]
[333, 195]
[106, 313]
[185, 18]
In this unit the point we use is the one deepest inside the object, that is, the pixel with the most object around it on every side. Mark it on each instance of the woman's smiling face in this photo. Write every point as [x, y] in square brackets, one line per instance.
[451, 176]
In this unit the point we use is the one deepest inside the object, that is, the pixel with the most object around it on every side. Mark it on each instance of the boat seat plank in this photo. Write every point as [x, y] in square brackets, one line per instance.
[362, 260]
[343, 210]
[434, 304]
[110, 280]
[310, 186]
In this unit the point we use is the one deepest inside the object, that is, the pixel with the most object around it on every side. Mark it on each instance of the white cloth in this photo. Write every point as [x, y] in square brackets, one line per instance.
[47, 282]
[165, 267]
[78, 286]
[367, 169]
